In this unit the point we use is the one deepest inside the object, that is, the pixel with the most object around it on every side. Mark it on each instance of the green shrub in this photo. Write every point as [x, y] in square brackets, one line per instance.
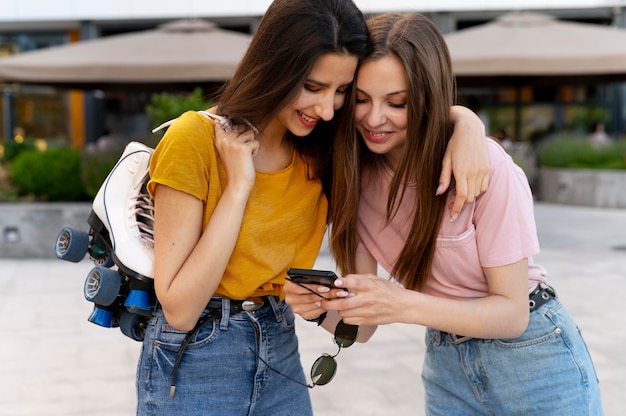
[12, 149]
[53, 175]
[166, 106]
[95, 167]
[577, 152]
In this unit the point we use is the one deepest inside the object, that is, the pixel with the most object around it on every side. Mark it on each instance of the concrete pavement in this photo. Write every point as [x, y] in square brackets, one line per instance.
[53, 362]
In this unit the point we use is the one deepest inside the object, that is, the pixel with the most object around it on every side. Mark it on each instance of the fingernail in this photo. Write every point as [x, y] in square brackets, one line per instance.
[454, 217]
[323, 289]
[439, 190]
[338, 282]
[318, 304]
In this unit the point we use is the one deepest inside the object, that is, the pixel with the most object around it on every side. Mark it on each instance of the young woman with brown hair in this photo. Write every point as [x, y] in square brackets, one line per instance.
[498, 341]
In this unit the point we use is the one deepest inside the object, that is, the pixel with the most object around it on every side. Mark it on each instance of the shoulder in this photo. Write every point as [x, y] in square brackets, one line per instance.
[189, 138]
[497, 154]
[501, 161]
[192, 120]
[190, 129]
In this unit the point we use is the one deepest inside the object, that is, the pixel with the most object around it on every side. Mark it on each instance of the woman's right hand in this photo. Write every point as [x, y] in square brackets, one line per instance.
[237, 150]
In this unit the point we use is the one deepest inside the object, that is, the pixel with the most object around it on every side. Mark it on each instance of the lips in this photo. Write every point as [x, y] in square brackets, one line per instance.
[376, 136]
[306, 120]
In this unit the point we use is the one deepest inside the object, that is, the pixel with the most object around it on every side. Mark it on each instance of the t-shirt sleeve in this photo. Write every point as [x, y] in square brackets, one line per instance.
[183, 156]
[504, 217]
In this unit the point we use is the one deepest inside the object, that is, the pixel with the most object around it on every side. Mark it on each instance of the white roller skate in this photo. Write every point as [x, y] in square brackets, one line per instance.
[120, 242]
[121, 235]
[125, 209]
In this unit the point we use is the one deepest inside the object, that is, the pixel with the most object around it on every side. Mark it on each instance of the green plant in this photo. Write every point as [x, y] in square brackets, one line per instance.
[166, 106]
[583, 117]
[12, 149]
[578, 152]
[95, 167]
[52, 175]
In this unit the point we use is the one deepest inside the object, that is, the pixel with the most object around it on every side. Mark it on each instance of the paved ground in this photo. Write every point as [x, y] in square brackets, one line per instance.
[53, 362]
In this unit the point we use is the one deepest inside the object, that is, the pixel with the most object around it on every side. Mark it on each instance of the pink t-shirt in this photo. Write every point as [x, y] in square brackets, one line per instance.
[497, 229]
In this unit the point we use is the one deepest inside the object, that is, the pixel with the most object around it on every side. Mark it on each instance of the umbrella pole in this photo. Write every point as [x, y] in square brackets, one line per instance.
[518, 113]
[7, 113]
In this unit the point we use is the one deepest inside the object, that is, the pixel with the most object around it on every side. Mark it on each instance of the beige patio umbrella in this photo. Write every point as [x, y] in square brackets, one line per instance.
[532, 44]
[524, 48]
[186, 51]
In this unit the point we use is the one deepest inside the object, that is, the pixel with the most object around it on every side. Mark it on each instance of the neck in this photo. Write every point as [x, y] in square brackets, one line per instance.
[392, 170]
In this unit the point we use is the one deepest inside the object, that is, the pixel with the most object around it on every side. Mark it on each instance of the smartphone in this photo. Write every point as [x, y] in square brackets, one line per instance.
[314, 277]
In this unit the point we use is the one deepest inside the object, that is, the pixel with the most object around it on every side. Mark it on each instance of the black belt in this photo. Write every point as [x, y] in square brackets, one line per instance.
[236, 306]
[542, 294]
[215, 306]
[538, 297]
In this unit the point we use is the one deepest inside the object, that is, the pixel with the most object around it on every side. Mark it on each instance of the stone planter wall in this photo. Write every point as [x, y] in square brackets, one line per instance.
[585, 187]
[30, 230]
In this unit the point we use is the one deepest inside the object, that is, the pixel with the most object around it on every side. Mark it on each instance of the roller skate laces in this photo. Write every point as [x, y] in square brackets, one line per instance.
[142, 215]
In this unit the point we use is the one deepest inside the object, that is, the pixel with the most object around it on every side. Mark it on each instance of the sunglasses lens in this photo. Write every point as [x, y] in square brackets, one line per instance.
[323, 370]
[345, 334]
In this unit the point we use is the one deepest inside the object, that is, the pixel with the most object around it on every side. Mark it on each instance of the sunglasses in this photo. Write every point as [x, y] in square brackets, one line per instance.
[325, 367]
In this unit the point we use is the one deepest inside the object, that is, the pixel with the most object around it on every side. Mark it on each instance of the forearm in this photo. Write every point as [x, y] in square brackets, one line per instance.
[333, 318]
[185, 295]
[493, 316]
[464, 118]
[467, 158]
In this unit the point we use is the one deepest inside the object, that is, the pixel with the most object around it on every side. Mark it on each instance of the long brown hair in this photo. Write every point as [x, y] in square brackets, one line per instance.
[290, 38]
[421, 48]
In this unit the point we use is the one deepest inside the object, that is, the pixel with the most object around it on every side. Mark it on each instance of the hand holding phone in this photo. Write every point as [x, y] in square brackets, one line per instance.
[312, 277]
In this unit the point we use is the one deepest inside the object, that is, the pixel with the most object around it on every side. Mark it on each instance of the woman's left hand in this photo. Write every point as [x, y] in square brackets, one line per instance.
[369, 300]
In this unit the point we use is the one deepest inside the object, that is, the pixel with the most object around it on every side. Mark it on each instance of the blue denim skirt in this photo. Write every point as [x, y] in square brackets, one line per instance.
[220, 373]
[546, 371]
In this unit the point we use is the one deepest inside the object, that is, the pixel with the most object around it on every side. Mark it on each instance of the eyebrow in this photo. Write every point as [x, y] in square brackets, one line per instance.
[386, 95]
[324, 84]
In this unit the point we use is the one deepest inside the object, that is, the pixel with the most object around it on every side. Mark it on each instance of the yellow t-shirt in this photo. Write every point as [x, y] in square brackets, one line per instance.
[284, 220]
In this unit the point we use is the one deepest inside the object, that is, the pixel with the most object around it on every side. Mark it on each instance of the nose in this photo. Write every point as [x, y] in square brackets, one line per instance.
[375, 116]
[325, 107]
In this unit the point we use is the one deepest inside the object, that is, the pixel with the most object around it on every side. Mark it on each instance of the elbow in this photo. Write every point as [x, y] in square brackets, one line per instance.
[519, 325]
[179, 315]
[180, 321]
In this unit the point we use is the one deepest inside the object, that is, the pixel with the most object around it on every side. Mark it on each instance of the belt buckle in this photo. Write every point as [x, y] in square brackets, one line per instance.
[252, 304]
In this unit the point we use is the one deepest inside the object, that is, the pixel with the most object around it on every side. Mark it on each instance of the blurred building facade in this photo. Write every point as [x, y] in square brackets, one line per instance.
[79, 117]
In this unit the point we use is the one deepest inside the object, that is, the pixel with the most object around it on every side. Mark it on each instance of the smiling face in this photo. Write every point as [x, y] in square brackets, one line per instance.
[323, 93]
[381, 107]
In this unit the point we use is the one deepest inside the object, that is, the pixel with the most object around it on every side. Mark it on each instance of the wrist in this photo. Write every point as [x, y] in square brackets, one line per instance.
[319, 319]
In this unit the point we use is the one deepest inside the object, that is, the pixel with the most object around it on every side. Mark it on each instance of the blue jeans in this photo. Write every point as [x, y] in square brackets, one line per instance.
[219, 374]
[547, 371]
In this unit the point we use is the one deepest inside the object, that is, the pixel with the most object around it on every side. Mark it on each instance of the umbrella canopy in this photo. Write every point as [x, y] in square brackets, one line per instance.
[183, 51]
[532, 44]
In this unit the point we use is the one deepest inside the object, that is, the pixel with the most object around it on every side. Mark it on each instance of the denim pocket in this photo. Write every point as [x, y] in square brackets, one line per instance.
[542, 327]
[171, 339]
[288, 317]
